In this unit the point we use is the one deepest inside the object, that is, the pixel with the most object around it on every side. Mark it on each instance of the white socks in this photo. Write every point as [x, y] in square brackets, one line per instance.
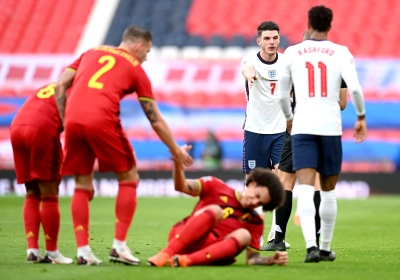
[327, 212]
[84, 250]
[274, 227]
[35, 251]
[259, 210]
[119, 245]
[306, 211]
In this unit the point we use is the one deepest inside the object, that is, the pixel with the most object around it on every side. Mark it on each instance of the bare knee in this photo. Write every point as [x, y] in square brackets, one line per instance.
[128, 176]
[306, 176]
[242, 235]
[328, 183]
[84, 182]
[288, 179]
[32, 188]
[48, 188]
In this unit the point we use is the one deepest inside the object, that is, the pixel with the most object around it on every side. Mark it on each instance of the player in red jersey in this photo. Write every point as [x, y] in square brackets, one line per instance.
[35, 139]
[100, 78]
[223, 223]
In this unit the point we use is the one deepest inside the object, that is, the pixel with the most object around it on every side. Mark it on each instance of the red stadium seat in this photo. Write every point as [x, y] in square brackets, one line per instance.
[205, 22]
[42, 26]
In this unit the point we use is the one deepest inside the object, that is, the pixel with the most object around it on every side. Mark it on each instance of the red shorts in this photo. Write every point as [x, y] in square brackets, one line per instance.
[83, 144]
[37, 154]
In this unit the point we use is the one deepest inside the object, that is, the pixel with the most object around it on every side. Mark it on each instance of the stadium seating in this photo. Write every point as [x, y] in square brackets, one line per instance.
[32, 26]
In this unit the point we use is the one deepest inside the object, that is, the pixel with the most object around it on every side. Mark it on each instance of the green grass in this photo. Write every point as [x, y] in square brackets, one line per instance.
[366, 241]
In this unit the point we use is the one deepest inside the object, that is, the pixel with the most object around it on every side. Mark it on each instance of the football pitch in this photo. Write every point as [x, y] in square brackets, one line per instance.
[366, 242]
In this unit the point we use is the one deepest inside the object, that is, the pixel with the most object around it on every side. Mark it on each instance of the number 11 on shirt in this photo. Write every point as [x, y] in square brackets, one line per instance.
[311, 88]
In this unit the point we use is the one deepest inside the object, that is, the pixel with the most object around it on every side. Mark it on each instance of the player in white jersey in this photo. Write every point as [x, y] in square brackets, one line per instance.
[265, 125]
[288, 178]
[316, 67]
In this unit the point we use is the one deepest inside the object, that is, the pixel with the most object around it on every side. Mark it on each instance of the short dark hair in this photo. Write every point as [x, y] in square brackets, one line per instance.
[267, 25]
[266, 177]
[320, 18]
[133, 32]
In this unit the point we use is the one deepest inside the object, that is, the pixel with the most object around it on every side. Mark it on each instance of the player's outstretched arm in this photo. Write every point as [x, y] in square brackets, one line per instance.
[60, 88]
[249, 74]
[162, 129]
[190, 187]
[254, 258]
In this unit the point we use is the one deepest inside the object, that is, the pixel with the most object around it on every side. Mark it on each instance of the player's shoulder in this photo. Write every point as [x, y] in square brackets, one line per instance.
[211, 179]
[249, 58]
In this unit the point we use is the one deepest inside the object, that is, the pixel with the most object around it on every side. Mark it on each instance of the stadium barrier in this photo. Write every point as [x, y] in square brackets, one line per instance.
[379, 78]
[159, 183]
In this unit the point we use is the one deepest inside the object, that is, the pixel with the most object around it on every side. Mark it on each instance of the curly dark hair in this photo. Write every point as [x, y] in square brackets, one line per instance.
[135, 32]
[320, 18]
[267, 25]
[266, 178]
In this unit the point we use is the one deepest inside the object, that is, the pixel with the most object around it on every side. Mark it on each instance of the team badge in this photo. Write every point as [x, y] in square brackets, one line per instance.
[272, 74]
[252, 164]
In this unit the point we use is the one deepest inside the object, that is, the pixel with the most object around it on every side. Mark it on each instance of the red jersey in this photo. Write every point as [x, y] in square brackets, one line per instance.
[40, 110]
[104, 75]
[214, 191]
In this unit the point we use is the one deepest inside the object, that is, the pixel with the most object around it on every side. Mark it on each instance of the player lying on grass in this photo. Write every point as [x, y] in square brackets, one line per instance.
[223, 223]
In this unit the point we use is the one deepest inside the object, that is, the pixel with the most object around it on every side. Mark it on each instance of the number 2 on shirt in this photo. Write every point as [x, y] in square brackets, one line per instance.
[110, 62]
[311, 88]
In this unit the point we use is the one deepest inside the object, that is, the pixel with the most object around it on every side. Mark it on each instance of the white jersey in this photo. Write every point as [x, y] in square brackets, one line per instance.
[263, 113]
[316, 69]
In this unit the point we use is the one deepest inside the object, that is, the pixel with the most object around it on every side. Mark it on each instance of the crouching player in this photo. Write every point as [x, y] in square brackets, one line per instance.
[35, 139]
[223, 223]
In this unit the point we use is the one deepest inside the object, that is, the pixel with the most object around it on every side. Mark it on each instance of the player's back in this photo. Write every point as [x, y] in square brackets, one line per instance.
[40, 110]
[316, 69]
[104, 76]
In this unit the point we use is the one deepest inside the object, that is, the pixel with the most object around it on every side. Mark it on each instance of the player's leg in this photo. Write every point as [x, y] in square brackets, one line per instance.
[21, 137]
[220, 253]
[50, 217]
[254, 152]
[31, 214]
[281, 151]
[305, 162]
[329, 169]
[46, 159]
[317, 202]
[196, 227]
[114, 153]
[79, 161]
[282, 214]
[125, 206]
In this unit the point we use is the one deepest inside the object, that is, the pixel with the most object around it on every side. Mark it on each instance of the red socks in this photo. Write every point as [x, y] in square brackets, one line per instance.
[125, 206]
[80, 216]
[223, 252]
[196, 227]
[31, 214]
[50, 217]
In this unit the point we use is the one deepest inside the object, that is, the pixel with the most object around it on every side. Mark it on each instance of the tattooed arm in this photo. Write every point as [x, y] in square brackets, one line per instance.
[63, 83]
[254, 258]
[162, 129]
[190, 187]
